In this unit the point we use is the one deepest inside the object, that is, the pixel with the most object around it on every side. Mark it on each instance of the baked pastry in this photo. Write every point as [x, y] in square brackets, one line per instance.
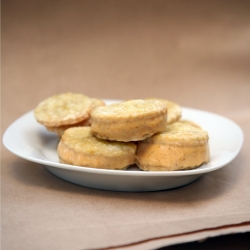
[131, 120]
[181, 146]
[61, 129]
[87, 122]
[190, 123]
[63, 109]
[79, 147]
[174, 110]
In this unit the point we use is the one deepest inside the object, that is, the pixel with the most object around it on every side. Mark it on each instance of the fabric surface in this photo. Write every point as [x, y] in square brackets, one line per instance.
[195, 53]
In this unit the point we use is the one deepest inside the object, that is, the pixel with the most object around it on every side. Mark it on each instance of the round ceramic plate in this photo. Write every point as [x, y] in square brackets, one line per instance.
[31, 141]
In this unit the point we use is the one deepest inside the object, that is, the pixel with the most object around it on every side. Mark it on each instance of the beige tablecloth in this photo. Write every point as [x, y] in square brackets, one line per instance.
[195, 53]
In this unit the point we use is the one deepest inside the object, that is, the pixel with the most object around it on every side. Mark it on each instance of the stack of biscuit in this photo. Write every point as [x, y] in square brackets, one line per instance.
[145, 132]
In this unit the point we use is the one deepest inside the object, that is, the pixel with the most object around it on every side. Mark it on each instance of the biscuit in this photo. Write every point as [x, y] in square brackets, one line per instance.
[174, 110]
[61, 129]
[131, 120]
[190, 123]
[63, 109]
[181, 146]
[87, 122]
[79, 147]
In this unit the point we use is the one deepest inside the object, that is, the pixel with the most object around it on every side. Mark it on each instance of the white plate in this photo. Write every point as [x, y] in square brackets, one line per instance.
[31, 141]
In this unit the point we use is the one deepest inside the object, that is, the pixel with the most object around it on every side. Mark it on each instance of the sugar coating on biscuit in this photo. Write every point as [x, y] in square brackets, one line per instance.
[129, 120]
[79, 147]
[63, 109]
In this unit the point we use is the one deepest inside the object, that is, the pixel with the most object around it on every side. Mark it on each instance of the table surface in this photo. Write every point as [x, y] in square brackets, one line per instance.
[195, 53]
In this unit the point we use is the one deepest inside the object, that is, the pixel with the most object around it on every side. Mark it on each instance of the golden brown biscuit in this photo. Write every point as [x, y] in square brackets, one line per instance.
[174, 110]
[79, 147]
[190, 123]
[181, 146]
[129, 120]
[95, 102]
[87, 122]
[61, 129]
[63, 109]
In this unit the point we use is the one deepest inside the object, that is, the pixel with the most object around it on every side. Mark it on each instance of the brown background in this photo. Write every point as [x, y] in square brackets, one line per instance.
[196, 53]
